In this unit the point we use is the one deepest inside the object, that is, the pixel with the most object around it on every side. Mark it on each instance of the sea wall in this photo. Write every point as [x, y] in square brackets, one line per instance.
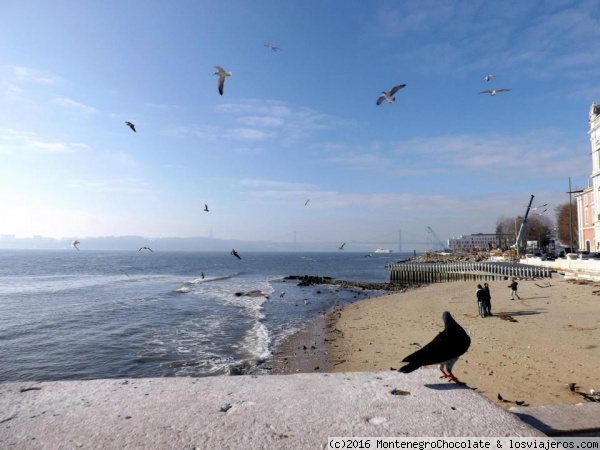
[268, 412]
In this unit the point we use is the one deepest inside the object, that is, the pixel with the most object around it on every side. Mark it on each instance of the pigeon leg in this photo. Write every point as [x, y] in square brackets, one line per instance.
[453, 378]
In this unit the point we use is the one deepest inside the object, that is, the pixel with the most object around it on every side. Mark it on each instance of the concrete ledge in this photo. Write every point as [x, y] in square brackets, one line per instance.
[270, 411]
[566, 420]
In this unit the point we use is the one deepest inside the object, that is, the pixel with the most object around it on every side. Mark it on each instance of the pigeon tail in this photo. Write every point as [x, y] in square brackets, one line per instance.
[409, 368]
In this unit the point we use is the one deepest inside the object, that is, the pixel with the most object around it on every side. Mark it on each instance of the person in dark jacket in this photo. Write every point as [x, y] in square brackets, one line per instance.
[488, 299]
[513, 289]
[481, 300]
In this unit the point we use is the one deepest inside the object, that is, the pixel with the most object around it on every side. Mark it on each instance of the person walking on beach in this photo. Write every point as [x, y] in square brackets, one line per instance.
[488, 299]
[513, 287]
[481, 300]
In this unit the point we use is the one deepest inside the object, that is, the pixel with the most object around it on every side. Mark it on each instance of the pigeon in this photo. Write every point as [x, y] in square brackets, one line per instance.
[131, 125]
[273, 48]
[145, 248]
[389, 96]
[74, 244]
[205, 207]
[341, 247]
[222, 75]
[494, 91]
[489, 77]
[234, 253]
[444, 349]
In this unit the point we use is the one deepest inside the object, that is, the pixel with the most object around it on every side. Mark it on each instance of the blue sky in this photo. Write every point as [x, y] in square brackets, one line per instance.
[292, 125]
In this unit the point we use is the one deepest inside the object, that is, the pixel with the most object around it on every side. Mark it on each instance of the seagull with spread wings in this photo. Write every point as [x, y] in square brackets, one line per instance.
[494, 91]
[222, 74]
[131, 125]
[389, 95]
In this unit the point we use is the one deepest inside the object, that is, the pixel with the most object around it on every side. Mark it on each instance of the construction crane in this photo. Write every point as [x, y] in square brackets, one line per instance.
[439, 241]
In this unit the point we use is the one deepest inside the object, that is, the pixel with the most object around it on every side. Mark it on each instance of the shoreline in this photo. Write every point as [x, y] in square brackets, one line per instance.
[553, 340]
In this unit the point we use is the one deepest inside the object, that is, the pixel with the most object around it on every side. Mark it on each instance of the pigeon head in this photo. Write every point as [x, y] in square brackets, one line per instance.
[448, 320]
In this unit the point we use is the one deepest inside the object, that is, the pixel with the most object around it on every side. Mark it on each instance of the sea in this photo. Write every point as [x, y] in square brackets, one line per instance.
[77, 315]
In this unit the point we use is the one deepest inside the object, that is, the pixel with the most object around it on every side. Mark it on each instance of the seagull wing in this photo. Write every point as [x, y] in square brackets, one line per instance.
[502, 90]
[221, 83]
[380, 99]
[396, 89]
[486, 92]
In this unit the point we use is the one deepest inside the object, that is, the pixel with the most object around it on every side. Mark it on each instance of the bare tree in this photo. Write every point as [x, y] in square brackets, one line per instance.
[563, 225]
[539, 228]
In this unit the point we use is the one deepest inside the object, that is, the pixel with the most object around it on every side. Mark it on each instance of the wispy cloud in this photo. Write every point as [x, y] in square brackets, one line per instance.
[30, 75]
[271, 119]
[68, 103]
[272, 184]
[12, 141]
[479, 35]
[112, 185]
[545, 150]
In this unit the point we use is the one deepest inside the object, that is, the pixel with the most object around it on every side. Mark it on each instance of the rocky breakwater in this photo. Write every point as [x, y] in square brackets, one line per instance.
[432, 257]
[315, 280]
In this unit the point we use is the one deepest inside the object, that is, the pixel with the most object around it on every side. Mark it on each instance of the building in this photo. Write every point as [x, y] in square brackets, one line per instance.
[587, 215]
[479, 241]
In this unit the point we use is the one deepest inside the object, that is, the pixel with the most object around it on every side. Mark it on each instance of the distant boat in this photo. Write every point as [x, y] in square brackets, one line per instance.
[383, 250]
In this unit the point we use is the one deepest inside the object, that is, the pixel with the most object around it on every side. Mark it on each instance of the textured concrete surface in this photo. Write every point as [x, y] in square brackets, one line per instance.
[270, 411]
[564, 420]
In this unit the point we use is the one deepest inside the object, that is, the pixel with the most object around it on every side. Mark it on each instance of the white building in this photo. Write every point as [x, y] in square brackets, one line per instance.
[587, 212]
[480, 241]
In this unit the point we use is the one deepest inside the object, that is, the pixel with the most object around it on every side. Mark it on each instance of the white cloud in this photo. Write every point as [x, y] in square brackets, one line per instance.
[248, 134]
[119, 185]
[68, 103]
[28, 74]
[12, 141]
[270, 119]
[283, 185]
[536, 154]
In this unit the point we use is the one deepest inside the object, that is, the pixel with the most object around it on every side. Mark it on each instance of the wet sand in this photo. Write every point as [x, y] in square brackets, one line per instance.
[552, 340]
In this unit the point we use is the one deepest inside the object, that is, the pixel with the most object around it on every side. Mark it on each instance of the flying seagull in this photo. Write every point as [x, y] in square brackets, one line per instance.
[494, 91]
[145, 248]
[306, 202]
[222, 75]
[74, 244]
[131, 125]
[205, 207]
[444, 349]
[273, 48]
[341, 247]
[234, 253]
[389, 96]
[489, 77]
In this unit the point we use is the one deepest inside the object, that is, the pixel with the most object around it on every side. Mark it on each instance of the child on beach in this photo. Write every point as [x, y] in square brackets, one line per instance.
[513, 287]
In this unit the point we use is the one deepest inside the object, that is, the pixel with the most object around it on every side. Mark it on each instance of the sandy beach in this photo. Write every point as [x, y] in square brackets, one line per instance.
[553, 339]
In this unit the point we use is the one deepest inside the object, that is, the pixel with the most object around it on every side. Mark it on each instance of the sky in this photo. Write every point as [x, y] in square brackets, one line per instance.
[295, 124]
